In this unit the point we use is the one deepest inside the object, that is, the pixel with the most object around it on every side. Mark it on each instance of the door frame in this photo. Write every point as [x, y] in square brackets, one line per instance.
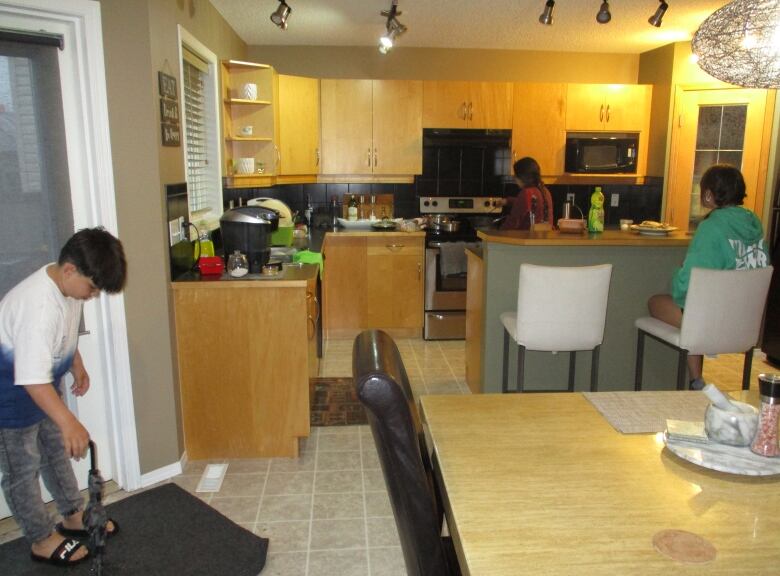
[89, 145]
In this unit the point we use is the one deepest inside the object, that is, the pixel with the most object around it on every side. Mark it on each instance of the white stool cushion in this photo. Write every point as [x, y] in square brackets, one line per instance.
[659, 329]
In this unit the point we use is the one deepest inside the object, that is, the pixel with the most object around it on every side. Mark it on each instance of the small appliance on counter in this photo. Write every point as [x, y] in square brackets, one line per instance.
[248, 229]
[601, 153]
[282, 236]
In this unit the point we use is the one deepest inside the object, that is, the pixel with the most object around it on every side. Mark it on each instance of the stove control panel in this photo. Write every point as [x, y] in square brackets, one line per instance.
[460, 205]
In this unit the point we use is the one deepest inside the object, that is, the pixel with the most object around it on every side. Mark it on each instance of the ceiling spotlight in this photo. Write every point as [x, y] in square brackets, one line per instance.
[547, 16]
[393, 28]
[655, 19]
[604, 16]
[281, 15]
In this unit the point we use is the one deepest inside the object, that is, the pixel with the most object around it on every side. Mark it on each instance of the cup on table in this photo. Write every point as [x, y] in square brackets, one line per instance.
[245, 165]
[625, 223]
[249, 91]
[246, 130]
[735, 428]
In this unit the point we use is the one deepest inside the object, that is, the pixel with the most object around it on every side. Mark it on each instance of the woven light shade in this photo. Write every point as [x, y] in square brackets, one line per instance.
[740, 44]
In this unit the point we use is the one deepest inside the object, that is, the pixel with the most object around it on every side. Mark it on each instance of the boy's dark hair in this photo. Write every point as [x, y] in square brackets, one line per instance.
[528, 172]
[726, 184]
[98, 256]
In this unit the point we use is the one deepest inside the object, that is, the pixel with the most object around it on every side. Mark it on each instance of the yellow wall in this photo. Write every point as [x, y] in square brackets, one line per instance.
[448, 64]
[656, 67]
[140, 38]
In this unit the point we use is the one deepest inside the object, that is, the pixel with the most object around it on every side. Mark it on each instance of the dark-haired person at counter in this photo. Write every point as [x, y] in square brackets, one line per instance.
[729, 238]
[533, 203]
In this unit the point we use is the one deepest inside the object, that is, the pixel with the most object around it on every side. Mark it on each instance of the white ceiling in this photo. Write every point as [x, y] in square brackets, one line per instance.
[488, 24]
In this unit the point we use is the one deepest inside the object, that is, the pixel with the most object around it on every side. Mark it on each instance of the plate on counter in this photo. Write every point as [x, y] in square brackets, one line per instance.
[723, 458]
[652, 231]
[364, 224]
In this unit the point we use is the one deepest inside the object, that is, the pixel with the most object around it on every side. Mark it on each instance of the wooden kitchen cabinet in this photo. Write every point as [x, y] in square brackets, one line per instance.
[244, 362]
[239, 113]
[539, 125]
[371, 126]
[612, 107]
[299, 125]
[448, 104]
[373, 280]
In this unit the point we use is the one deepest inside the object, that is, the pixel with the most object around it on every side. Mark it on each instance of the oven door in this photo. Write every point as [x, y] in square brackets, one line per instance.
[442, 292]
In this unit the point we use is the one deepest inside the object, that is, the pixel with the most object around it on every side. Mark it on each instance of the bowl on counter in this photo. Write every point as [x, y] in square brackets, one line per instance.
[384, 225]
[732, 428]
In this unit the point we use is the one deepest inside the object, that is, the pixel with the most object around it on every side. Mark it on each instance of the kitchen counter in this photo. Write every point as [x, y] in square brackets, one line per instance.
[642, 266]
[374, 234]
[290, 276]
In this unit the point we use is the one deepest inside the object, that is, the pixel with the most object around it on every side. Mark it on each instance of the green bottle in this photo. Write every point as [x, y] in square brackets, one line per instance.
[596, 212]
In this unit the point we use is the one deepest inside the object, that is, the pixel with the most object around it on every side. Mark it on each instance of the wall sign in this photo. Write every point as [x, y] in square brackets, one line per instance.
[169, 111]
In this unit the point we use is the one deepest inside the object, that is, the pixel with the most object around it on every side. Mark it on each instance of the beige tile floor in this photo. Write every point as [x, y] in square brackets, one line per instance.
[327, 512]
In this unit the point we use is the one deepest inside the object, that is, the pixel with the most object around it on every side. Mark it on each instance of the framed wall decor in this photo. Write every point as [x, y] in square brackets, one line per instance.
[171, 136]
[169, 111]
[167, 85]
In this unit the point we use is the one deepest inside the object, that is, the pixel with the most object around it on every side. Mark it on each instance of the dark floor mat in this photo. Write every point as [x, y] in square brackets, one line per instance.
[165, 531]
[334, 402]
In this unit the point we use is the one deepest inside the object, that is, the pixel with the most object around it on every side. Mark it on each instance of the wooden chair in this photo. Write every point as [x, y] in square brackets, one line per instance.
[723, 313]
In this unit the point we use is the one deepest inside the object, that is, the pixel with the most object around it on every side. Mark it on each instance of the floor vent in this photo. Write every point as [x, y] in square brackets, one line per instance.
[211, 480]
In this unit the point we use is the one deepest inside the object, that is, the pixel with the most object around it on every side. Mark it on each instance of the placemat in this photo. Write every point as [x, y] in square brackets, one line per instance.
[646, 412]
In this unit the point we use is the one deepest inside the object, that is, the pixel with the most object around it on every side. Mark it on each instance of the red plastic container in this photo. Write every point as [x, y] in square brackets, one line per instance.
[211, 265]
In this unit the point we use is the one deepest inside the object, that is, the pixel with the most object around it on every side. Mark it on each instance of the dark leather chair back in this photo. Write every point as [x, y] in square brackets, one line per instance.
[383, 388]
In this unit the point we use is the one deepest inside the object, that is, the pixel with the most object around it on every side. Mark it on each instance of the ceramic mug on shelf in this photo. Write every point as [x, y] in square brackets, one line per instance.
[249, 91]
[246, 131]
[245, 165]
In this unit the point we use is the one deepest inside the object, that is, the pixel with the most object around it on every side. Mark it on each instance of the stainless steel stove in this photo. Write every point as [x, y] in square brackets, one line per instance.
[445, 261]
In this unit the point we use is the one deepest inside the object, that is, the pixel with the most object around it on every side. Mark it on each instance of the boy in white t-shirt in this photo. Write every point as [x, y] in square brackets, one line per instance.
[39, 320]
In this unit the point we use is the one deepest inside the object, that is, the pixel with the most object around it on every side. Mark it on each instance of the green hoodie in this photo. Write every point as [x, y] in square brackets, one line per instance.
[729, 238]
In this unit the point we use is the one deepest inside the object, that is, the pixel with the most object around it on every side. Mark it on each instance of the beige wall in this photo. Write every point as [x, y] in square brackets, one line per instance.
[140, 38]
[448, 64]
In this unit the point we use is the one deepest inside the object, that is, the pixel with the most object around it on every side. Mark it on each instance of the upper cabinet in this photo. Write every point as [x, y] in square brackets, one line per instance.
[371, 127]
[299, 125]
[539, 125]
[467, 104]
[612, 107]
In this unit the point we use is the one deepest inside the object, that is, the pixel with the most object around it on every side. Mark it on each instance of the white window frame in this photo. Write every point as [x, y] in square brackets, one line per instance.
[212, 214]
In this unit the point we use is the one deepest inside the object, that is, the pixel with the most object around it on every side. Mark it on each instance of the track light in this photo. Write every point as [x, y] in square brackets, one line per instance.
[604, 16]
[281, 15]
[393, 28]
[547, 16]
[655, 19]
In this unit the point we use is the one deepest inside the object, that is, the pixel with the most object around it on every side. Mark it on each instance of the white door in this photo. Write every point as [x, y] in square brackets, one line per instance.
[48, 184]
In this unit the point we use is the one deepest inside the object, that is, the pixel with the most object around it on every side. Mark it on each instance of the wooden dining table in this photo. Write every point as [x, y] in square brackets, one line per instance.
[543, 484]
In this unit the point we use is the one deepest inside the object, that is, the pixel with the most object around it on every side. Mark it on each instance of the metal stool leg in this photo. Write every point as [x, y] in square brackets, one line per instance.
[505, 373]
[572, 368]
[682, 367]
[594, 368]
[640, 352]
[520, 366]
[746, 369]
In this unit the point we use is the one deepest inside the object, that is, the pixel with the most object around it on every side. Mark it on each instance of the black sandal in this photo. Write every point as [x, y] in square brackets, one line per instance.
[81, 534]
[62, 554]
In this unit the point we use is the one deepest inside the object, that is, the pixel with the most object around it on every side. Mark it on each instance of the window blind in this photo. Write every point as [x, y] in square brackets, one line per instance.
[200, 131]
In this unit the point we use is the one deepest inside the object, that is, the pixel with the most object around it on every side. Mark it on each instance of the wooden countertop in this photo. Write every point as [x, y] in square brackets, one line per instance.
[293, 276]
[374, 234]
[606, 238]
[542, 484]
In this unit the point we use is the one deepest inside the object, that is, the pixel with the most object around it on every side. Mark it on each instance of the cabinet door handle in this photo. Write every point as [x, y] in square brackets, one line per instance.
[607, 112]
[310, 296]
[311, 323]
[316, 156]
[471, 109]
[601, 113]
[376, 157]
[369, 158]
[394, 246]
[419, 271]
[462, 111]
[278, 155]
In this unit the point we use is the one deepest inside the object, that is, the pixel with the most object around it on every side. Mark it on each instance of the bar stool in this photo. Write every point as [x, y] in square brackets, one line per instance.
[723, 314]
[559, 309]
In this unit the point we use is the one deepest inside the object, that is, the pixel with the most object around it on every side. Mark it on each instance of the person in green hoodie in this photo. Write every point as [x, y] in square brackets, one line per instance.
[730, 237]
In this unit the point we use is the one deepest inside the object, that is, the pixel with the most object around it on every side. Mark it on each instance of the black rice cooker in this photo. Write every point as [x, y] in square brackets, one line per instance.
[248, 229]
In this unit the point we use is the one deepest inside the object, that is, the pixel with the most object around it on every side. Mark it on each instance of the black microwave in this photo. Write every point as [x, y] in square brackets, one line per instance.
[601, 153]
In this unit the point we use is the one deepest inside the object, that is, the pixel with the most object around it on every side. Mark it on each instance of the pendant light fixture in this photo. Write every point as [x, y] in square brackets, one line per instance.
[656, 19]
[740, 44]
[547, 16]
[281, 14]
[603, 15]
[393, 28]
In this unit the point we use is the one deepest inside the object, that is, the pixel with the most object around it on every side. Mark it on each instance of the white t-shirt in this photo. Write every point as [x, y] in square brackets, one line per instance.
[39, 326]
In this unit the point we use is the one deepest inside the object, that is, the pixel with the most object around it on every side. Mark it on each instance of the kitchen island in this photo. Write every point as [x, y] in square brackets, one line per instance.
[642, 266]
[246, 350]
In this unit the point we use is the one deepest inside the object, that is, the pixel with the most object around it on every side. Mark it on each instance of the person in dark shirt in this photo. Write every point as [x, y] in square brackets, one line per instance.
[533, 199]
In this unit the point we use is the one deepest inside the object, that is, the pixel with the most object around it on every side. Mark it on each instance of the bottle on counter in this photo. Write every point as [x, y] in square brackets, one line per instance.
[206, 245]
[352, 209]
[766, 443]
[596, 212]
[335, 212]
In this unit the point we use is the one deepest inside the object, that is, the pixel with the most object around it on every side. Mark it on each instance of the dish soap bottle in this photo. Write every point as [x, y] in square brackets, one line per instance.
[596, 212]
[206, 245]
[352, 209]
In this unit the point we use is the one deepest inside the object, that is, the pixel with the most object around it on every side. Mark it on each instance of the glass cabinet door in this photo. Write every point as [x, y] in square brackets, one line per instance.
[711, 127]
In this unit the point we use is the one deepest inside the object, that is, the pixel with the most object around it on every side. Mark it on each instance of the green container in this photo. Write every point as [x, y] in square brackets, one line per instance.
[282, 236]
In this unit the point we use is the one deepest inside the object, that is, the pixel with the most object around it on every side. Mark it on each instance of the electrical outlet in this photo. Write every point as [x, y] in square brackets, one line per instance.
[614, 200]
[174, 231]
[570, 197]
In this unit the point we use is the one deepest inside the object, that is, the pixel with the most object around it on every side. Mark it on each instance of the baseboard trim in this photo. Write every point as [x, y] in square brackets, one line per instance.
[162, 474]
